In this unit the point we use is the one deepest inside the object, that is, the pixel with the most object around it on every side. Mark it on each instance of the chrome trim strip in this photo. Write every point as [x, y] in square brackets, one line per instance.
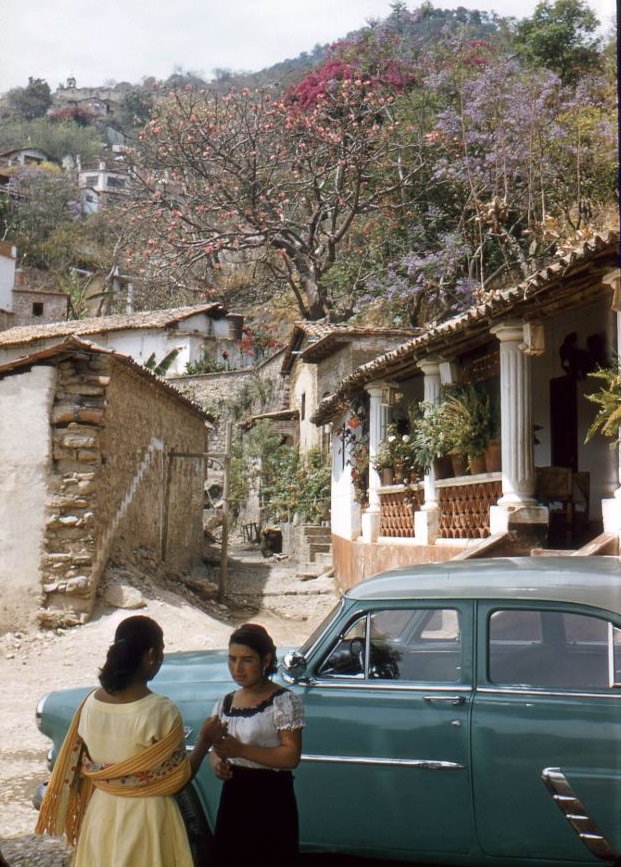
[427, 764]
[390, 685]
[571, 807]
[542, 693]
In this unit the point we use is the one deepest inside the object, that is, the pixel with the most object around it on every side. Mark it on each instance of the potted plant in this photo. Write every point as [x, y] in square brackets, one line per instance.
[608, 399]
[384, 459]
[430, 439]
[470, 418]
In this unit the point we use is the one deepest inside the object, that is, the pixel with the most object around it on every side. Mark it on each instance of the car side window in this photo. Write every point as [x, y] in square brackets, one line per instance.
[421, 644]
[553, 649]
[347, 657]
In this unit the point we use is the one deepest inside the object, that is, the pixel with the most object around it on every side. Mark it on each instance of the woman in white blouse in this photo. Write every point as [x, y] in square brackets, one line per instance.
[257, 822]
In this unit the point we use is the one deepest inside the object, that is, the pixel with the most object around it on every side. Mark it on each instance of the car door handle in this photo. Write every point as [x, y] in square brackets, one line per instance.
[447, 699]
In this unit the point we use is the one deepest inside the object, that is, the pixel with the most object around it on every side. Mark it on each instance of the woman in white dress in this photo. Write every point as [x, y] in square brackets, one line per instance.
[257, 822]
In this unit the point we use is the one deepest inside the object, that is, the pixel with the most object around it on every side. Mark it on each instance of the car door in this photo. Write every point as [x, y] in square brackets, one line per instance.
[546, 732]
[385, 766]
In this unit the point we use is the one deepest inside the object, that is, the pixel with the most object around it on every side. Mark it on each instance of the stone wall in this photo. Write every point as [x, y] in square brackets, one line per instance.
[126, 481]
[54, 306]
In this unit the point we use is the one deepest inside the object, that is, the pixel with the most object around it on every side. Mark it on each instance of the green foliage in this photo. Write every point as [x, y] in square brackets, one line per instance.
[608, 399]
[44, 201]
[253, 396]
[159, 368]
[313, 487]
[31, 101]
[470, 419]
[286, 483]
[204, 364]
[560, 36]
[431, 438]
[136, 108]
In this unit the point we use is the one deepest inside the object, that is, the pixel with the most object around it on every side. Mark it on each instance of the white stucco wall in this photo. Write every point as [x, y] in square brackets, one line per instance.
[7, 281]
[304, 382]
[345, 511]
[25, 453]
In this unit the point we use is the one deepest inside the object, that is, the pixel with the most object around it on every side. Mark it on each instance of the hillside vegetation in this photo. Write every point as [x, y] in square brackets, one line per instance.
[394, 177]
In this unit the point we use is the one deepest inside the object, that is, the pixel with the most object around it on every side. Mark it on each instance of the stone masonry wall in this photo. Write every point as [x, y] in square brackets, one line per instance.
[120, 487]
[154, 471]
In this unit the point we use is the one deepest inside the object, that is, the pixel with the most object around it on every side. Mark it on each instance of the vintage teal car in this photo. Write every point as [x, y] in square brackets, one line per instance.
[466, 712]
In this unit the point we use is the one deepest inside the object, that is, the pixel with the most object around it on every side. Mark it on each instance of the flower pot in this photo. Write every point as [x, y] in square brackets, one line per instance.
[493, 462]
[476, 464]
[460, 464]
[387, 475]
[443, 467]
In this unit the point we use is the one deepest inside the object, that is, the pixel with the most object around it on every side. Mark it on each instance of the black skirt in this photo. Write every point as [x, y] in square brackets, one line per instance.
[257, 822]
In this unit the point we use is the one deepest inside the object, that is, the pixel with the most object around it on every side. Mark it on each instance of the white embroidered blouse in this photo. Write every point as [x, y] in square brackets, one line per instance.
[259, 725]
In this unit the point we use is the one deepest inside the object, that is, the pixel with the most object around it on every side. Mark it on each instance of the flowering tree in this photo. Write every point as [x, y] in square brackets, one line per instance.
[520, 164]
[285, 182]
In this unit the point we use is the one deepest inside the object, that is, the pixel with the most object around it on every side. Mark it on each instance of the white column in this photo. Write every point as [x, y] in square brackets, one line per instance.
[611, 508]
[427, 520]
[371, 517]
[517, 509]
[518, 474]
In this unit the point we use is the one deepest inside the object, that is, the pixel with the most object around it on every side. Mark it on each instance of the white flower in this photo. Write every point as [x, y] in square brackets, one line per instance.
[405, 438]
[392, 438]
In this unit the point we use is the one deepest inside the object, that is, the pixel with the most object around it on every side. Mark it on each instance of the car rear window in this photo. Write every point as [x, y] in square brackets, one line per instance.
[553, 649]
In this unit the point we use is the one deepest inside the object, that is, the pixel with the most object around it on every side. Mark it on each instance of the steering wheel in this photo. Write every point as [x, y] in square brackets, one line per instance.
[357, 650]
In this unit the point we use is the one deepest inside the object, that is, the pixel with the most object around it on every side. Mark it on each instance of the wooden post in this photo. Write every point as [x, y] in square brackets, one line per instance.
[225, 511]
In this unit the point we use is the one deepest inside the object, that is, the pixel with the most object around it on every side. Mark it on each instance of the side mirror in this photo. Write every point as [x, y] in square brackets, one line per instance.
[294, 663]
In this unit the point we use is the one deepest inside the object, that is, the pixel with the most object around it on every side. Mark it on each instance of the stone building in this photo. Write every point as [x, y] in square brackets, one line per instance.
[101, 459]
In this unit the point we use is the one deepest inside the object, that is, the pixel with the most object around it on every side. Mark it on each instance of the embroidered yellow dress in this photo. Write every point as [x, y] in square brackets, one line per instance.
[119, 831]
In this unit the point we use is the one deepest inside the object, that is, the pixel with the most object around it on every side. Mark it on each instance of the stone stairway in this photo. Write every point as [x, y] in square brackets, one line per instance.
[314, 550]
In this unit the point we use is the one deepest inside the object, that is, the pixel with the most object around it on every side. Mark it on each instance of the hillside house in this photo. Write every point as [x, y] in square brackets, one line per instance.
[113, 466]
[23, 156]
[317, 357]
[102, 183]
[21, 304]
[531, 346]
[189, 331]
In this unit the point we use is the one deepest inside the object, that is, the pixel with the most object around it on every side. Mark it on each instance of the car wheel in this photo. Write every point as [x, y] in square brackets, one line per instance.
[196, 825]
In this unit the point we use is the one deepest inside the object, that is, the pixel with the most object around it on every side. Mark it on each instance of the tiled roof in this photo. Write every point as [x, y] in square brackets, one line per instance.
[542, 292]
[324, 338]
[74, 344]
[168, 318]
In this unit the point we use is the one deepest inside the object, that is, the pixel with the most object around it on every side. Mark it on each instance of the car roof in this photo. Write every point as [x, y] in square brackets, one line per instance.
[594, 581]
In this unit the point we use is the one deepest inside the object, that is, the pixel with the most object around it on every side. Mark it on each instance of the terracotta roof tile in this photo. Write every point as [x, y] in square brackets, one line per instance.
[517, 298]
[26, 334]
[73, 344]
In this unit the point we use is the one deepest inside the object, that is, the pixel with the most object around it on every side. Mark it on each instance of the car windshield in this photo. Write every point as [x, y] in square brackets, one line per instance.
[319, 630]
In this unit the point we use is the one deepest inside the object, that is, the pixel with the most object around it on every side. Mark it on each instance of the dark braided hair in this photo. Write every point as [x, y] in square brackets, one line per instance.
[133, 637]
[259, 639]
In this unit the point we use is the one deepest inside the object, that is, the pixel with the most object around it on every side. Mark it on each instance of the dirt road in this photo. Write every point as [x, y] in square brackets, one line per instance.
[33, 664]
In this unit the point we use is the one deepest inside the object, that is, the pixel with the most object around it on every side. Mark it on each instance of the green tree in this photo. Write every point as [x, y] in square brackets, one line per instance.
[561, 37]
[31, 101]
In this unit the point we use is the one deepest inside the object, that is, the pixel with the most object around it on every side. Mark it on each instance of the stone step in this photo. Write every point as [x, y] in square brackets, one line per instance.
[318, 548]
[324, 559]
[317, 533]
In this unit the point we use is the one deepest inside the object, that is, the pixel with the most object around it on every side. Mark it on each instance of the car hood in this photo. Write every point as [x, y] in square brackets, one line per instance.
[197, 666]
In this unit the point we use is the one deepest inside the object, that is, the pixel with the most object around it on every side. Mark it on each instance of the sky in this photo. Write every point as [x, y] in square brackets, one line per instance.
[128, 40]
